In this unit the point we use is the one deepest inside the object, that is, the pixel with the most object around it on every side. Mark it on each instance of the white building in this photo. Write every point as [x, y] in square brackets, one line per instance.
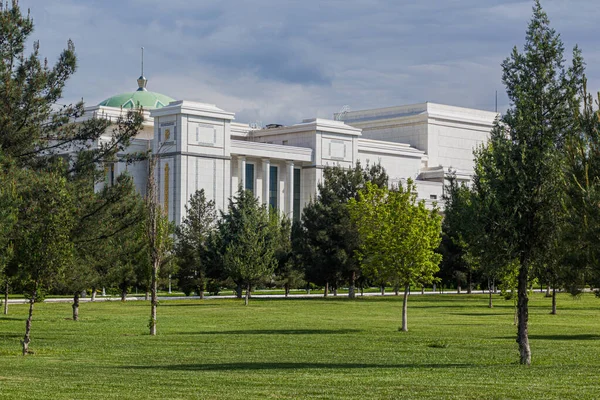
[201, 147]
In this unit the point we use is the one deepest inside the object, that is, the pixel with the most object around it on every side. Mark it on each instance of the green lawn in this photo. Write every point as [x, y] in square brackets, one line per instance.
[314, 348]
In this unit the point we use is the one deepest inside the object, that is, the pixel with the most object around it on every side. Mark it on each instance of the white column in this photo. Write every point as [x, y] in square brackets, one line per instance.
[241, 172]
[266, 164]
[289, 187]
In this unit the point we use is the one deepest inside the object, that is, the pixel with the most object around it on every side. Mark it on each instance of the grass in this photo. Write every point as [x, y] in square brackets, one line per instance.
[456, 347]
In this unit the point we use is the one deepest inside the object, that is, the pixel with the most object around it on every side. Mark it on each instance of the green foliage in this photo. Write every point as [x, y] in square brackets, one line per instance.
[327, 241]
[582, 232]
[245, 241]
[191, 245]
[520, 172]
[9, 208]
[42, 236]
[398, 235]
[33, 128]
[289, 273]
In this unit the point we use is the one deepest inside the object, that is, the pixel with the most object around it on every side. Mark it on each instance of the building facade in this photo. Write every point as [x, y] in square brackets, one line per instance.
[200, 146]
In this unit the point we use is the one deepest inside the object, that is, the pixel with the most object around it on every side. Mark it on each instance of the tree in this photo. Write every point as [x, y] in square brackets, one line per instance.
[34, 129]
[246, 241]
[191, 245]
[43, 245]
[288, 273]
[9, 207]
[583, 188]
[329, 239]
[398, 236]
[159, 240]
[522, 165]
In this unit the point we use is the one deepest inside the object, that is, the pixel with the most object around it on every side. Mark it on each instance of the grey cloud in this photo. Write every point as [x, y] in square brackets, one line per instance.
[281, 61]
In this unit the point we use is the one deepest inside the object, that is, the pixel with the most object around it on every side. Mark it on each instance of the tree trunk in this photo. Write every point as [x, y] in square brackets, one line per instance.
[201, 293]
[6, 287]
[147, 295]
[422, 289]
[553, 312]
[334, 290]
[93, 294]
[548, 290]
[523, 311]
[123, 295]
[238, 291]
[247, 297]
[383, 290]
[27, 339]
[469, 282]
[458, 288]
[326, 291]
[405, 309]
[396, 289]
[362, 291]
[490, 304]
[287, 289]
[76, 306]
[154, 298]
[352, 288]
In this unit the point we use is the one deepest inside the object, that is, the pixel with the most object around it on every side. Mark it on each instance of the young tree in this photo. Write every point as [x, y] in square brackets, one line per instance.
[191, 245]
[522, 165]
[43, 243]
[246, 241]
[158, 236]
[329, 239]
[398, 236]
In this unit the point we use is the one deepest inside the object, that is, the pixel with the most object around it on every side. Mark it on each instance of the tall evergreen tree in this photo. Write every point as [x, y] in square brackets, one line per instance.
[246, 242]
[191, 245]
[522, 165]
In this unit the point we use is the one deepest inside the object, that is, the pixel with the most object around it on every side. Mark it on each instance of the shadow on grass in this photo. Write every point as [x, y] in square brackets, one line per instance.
[165, 304]
[288, 366]
[275, 332]
[11, 319]
[480, 314]
[557, 337]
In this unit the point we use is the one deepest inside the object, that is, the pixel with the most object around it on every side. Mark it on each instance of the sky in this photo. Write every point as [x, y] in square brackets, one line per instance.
[279, 61]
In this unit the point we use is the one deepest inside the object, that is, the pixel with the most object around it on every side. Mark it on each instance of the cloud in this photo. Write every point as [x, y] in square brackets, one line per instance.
[284, 61]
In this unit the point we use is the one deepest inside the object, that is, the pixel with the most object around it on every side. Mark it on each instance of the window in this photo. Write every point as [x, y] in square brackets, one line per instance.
[433, 196]
[296, 206]
[249, 178]
[273, 187]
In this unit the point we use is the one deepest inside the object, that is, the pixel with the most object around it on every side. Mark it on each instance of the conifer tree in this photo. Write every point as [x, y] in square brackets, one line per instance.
[522, 165]
[191, 245]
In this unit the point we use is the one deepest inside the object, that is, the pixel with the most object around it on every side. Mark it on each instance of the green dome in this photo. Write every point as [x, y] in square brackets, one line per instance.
[140, 98]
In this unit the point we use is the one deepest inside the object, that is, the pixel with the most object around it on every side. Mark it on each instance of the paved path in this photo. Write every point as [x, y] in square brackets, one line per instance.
[254, 296]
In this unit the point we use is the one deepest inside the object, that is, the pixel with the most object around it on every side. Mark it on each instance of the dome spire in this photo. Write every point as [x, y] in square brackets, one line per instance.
[142, 81]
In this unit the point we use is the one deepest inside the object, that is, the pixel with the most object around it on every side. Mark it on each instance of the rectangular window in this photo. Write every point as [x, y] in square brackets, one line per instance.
[249, 178]
[296, 206]
[273, 187]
